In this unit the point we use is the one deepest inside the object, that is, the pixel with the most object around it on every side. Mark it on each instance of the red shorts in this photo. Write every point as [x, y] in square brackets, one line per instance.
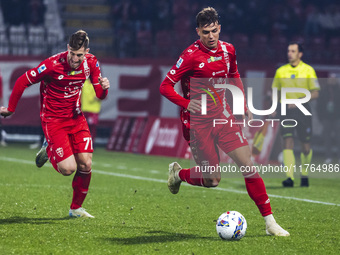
[205, 140]
[67, 137]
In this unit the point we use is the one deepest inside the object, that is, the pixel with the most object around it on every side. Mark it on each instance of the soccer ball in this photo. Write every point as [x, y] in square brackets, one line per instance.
[231, 225]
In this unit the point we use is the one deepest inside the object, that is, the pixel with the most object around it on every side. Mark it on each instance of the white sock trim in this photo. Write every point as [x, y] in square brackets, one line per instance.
[83, 172]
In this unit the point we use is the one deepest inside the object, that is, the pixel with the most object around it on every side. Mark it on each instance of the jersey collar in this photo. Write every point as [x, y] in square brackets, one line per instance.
[206, 49]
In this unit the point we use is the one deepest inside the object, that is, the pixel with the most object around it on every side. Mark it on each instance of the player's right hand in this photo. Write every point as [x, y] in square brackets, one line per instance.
[194, 106]
[104, 82]
[5, 112]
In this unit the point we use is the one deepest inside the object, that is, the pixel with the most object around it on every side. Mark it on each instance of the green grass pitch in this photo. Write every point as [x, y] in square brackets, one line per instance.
[136, 214]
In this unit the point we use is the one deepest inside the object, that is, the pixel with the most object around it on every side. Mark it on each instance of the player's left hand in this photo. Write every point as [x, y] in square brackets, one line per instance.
[104, 82]
[5, 112]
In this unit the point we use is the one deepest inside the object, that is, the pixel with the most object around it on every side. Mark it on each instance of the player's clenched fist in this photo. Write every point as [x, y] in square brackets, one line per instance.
[104, 82]
[5, 112]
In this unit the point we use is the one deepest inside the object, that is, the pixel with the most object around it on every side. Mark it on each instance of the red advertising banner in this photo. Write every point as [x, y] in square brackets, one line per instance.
[163, 136]
[152, 135]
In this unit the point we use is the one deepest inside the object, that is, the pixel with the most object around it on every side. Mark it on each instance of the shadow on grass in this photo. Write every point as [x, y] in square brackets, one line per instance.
[158, 237]
[276, 187]
[24, 220]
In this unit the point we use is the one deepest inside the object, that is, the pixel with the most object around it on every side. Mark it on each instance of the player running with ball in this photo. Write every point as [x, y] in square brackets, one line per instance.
[202, 65]
[61, 78]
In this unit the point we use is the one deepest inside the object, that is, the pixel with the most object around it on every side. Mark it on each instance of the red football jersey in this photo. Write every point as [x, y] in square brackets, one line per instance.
[199, 69]
[60, 85]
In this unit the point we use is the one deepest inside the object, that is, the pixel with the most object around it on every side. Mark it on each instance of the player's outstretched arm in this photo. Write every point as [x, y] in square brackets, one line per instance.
[104, 83]
[5, 112]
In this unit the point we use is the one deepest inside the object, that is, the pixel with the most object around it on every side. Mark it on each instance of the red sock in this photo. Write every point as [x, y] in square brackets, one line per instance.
[257, 192]
[191, 176]
[80, 184]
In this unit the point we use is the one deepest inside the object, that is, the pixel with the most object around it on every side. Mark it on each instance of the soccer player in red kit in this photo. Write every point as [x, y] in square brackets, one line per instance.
[202, 65]
[69, 144]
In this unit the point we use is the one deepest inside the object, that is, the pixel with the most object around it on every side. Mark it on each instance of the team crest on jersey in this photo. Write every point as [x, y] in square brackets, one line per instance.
[60, 152]
[179, 62]
[41, 68]
[213, 59]
[97, 64]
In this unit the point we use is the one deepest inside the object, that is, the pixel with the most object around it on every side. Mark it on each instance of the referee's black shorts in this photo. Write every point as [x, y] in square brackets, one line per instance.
[304, 124]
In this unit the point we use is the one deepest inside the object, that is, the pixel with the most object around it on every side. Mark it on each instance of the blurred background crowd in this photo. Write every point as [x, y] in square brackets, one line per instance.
[259, 29]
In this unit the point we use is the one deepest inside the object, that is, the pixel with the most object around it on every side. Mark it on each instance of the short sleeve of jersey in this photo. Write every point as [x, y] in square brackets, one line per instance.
[38, 73]
[178, 70]
[95, 72]
[313, 83]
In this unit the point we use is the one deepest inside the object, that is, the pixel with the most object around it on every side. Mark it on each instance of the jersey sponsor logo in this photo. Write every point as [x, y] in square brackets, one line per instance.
[74, 72]
[60, 77]
[189, 50]
[201, 65]
[213, 59]
[41, 68]
[74, 82]
[60, 152]
[179, 62]
[214, 73]
[33, 73]
[172, 71]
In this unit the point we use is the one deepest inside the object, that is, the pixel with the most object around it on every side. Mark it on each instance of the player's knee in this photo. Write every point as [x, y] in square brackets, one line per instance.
[211, 182]
[85, 165]
[67, 167]
[66, 171]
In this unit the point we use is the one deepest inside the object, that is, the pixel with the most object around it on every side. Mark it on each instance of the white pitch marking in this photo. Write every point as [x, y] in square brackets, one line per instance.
[165, 181]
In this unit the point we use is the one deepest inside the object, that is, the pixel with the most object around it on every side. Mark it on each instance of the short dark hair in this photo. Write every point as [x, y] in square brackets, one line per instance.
[78, 40]
[206, 17]
[299, 44]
